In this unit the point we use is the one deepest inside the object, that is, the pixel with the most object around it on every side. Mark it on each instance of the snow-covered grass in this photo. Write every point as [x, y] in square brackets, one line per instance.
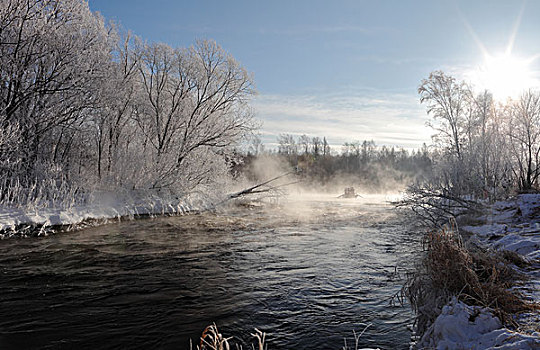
[482, 291]
[212, 339]
[40, 194]
[356, 339]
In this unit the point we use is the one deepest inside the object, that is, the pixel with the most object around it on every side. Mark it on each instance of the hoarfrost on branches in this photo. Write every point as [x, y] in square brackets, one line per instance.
[87, 106]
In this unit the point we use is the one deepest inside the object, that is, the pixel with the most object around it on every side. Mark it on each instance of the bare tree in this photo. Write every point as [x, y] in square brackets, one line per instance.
[82, 104]
[195, 102]
[288, 147]
[524, 131]
[304, 141]
[316, 144]
[326, 147]
[448, 101]
[256, 146]
[49, 72]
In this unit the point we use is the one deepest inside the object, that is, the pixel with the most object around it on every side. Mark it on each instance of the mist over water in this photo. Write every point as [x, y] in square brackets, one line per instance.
[308, 271]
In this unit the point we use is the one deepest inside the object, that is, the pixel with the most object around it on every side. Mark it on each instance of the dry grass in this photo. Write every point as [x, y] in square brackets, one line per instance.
[356, 339]
[475, 276]
[211, 339]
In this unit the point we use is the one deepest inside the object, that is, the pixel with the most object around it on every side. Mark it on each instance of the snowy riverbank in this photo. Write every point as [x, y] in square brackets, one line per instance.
[512, 225]
[102, 208]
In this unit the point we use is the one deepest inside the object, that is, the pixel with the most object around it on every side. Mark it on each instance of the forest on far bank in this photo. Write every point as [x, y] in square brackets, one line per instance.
[365, 165]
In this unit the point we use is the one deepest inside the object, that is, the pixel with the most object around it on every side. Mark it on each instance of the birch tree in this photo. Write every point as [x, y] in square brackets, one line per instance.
[446, 100]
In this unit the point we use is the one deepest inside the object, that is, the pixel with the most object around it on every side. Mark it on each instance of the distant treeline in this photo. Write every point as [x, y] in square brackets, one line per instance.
[364, 164]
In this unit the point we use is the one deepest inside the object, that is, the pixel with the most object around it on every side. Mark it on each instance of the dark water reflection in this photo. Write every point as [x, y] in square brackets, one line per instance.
[307, 279]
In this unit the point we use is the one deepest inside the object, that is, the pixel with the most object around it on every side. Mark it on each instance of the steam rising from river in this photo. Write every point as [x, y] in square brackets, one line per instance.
[294, 197]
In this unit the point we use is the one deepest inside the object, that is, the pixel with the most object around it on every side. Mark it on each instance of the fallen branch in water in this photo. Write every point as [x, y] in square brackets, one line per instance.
[260, 188]
[434, 206]
[253, 189]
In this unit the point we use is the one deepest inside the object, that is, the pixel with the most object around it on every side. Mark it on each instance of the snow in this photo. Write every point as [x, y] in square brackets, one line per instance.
[486, 230]
[460, 326]
[102, 209]
[512, 225]
[522, 245]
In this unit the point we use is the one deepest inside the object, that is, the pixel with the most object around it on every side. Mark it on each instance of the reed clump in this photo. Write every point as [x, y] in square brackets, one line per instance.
[212, 339]
[475, 276]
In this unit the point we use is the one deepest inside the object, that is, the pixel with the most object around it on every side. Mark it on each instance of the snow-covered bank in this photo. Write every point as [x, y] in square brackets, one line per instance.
[511, 225]
[514, 226]
[461, 326]
[105, 207]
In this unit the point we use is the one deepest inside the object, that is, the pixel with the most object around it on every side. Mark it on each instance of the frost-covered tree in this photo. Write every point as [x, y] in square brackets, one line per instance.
[458, 120]
[82, 106]
[113, 122]
[54, 55]
[304, 141]
[447, 101]
[524, 131]
[287, 145]
[484, 151]
[194, 105]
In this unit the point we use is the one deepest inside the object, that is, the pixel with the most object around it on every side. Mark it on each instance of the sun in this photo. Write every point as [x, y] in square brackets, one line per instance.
[505, 76]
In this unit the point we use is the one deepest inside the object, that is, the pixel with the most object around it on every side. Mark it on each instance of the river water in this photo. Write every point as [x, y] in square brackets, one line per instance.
[306, 272]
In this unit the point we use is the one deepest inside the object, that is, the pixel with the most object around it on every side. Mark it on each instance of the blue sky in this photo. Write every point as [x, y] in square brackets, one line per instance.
[347, 70]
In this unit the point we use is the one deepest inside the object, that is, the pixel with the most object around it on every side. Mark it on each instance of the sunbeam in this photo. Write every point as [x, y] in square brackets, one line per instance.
[505, 75]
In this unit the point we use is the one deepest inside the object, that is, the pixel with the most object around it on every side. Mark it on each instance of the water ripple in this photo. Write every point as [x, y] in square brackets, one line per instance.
[306, 280]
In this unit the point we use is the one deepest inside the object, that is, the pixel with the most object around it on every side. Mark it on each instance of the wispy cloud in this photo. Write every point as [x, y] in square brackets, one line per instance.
[387, 118]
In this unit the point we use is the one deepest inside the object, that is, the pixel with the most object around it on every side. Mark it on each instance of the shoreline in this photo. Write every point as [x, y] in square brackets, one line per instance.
[506, 226]
[20, 223]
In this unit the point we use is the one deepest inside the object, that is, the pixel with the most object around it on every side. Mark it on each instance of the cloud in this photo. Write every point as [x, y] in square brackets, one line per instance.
[391, 119]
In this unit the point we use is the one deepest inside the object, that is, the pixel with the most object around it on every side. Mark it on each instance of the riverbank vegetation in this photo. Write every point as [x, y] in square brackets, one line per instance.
[473, 274]
[485, 158]
[484, 150]
[212, 339]
[88, 108]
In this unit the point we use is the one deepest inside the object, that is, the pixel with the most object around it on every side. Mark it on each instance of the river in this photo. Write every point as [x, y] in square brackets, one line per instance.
[307, 272]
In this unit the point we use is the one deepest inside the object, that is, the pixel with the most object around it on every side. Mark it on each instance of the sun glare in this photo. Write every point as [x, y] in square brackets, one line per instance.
[505, 76]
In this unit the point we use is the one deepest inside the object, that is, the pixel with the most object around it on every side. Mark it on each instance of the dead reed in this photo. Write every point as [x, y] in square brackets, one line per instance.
[211, 339]
[475, 276]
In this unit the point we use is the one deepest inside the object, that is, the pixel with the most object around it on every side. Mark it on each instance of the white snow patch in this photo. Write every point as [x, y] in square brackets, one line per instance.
[529, 204]
[523, 245]
[460, 326]
[102, 209]
[510, 225]
[486, 230]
